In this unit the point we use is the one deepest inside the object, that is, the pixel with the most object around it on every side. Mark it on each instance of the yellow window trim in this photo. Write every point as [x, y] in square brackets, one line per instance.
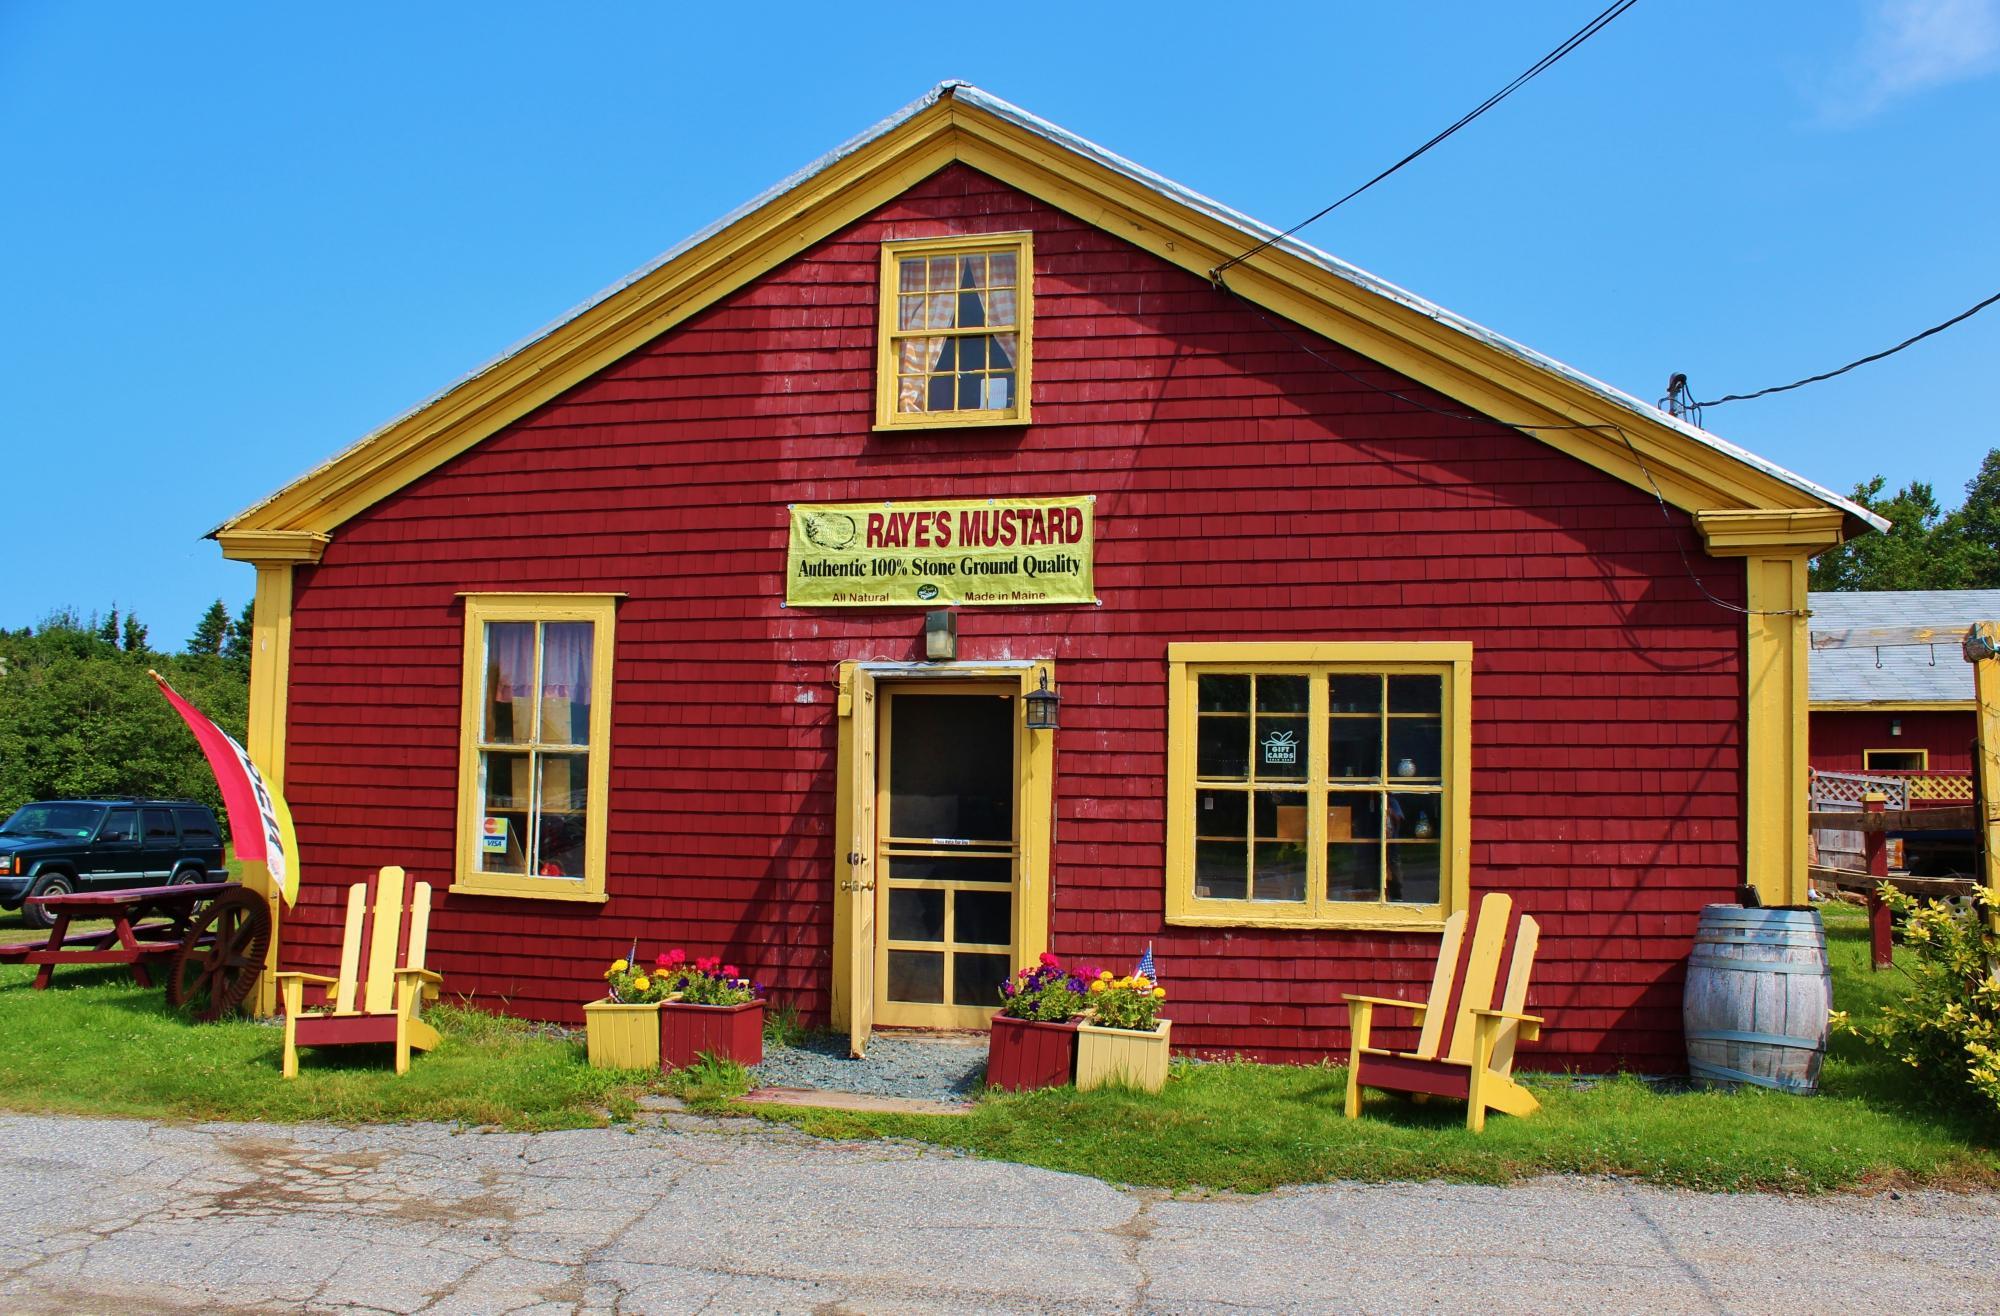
[1892, 706]
[601, 611]
[1450, 659]
[1923, 756]
[888, 333]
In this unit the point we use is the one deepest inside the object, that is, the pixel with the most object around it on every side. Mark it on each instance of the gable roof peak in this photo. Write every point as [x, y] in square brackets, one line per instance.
[1687, 466]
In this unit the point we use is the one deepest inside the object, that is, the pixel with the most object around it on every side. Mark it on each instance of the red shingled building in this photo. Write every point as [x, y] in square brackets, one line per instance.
[1354, 609]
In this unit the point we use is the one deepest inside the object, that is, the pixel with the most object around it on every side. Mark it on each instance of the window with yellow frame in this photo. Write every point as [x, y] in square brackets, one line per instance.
[1895, 760]
[1318, 784]
[534, 755]
[956, 328]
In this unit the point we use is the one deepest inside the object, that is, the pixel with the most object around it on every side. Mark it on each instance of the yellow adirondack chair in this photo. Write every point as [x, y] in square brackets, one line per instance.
[1466, 1049]
[377, 1002]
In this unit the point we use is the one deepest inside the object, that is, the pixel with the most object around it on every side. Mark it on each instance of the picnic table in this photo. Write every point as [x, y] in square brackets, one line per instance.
[214, 933]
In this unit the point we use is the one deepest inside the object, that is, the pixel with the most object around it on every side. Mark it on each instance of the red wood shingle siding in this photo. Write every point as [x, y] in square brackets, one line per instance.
[1245, 491]
[1838, 740]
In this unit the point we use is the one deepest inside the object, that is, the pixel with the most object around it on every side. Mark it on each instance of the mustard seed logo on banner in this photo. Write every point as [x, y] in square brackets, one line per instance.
[976, 552]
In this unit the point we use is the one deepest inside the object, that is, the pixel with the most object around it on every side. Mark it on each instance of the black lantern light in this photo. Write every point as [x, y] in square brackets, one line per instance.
[1042, 705]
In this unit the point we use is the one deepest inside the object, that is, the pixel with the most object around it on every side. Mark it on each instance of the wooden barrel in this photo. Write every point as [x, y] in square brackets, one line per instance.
[1758, 992]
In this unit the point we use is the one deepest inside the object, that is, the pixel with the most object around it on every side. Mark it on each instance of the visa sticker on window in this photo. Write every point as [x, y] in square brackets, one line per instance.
[493, 836]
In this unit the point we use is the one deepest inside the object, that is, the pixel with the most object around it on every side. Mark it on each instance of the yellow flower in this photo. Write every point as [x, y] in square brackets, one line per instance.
[1097, 986]
[642, 983]
[1159, 993]
[619, 966]
[1106, 975]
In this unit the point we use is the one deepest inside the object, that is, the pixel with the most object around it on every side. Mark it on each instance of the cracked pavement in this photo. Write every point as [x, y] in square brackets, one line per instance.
[688, 1214]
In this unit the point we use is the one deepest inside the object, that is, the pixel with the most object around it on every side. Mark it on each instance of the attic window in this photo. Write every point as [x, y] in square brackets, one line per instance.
[957, 314]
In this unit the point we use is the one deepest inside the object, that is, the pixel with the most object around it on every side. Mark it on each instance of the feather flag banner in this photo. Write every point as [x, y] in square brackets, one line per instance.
[259, 823]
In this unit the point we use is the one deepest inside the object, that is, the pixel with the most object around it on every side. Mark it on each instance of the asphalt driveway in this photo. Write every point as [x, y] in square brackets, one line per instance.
[686, 1215]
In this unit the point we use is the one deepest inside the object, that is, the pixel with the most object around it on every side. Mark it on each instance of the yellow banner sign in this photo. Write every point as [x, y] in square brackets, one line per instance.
[978, 552]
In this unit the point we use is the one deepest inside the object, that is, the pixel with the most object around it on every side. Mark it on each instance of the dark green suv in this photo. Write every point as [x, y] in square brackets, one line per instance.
[55, 846]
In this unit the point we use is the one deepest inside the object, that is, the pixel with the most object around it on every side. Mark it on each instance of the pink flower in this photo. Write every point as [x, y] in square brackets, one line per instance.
[662, 960]
[676, 955]
[707, 963]
[729, 971]
[1049, 958]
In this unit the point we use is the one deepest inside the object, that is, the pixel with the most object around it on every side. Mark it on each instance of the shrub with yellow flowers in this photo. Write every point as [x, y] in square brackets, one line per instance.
[1130, 1002]
[1947, 1025]
[636, 984]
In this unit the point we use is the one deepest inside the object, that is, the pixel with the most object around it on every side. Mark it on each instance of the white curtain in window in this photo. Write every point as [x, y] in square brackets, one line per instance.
[566, 661]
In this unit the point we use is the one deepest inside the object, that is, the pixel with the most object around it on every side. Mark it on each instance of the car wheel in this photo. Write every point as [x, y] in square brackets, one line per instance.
[187, 877]
[55, 884]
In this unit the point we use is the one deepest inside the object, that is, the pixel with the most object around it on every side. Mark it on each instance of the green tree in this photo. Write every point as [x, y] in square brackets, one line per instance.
[237, 647]
[78, 716]
[109, 630]
[1976, 525]
[135, 634]
[210, 632]
[1925, 547]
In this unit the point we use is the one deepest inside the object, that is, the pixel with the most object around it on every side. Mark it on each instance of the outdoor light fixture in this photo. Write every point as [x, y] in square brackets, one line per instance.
[1042, 705]
[941, 636]
[1895, 726]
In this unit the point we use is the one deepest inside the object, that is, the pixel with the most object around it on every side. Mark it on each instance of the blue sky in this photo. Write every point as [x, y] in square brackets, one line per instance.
[240, 237]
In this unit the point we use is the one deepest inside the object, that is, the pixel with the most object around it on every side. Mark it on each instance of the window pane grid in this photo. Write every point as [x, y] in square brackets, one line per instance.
[1324, 794]
[954, 331]
[534, 788]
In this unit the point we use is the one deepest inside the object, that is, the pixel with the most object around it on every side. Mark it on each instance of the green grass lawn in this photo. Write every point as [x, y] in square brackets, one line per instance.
[1252, 1127]
[96, 1044]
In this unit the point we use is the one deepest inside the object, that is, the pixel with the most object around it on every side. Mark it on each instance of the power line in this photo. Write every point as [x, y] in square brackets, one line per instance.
[1575, 39]
[1814, 379]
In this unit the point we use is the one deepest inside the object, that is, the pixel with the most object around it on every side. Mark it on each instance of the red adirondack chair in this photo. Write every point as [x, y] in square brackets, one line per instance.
[1471, 1021]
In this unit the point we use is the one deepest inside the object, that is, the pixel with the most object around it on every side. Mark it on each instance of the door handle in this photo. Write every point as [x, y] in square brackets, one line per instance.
[851, 885]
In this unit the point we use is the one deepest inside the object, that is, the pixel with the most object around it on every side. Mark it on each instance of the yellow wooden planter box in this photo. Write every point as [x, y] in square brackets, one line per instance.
[1119, 1055]
[622, 1036]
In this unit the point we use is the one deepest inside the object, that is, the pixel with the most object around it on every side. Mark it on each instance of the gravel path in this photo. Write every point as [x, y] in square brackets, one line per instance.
[928, 1070]
[717, 1216]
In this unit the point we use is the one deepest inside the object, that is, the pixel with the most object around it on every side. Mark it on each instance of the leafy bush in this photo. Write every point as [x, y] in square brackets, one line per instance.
[1132, 1002]
[1046, 991]
[1948, 1026]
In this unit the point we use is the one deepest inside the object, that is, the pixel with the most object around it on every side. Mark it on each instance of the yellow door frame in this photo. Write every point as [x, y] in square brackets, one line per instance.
[855, 875]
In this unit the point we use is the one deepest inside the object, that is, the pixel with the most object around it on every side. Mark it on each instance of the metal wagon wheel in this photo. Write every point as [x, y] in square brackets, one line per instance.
[219, 959]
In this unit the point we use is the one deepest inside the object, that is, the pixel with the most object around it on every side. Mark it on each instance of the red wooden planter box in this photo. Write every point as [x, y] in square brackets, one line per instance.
[735, 1032]
[1025, 1053]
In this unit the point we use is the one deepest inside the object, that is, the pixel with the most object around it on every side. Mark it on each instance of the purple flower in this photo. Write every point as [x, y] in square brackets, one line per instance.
[1075, 984]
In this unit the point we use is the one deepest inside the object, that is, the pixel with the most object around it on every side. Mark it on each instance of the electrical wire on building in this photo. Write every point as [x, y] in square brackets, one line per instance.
[1666, 512]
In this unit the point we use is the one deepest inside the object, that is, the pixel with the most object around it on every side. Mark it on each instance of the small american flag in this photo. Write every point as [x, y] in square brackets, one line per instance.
[1145, 969]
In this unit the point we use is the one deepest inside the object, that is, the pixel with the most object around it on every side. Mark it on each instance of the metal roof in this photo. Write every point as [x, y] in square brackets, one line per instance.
[1254, 231]
[1900, 673]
